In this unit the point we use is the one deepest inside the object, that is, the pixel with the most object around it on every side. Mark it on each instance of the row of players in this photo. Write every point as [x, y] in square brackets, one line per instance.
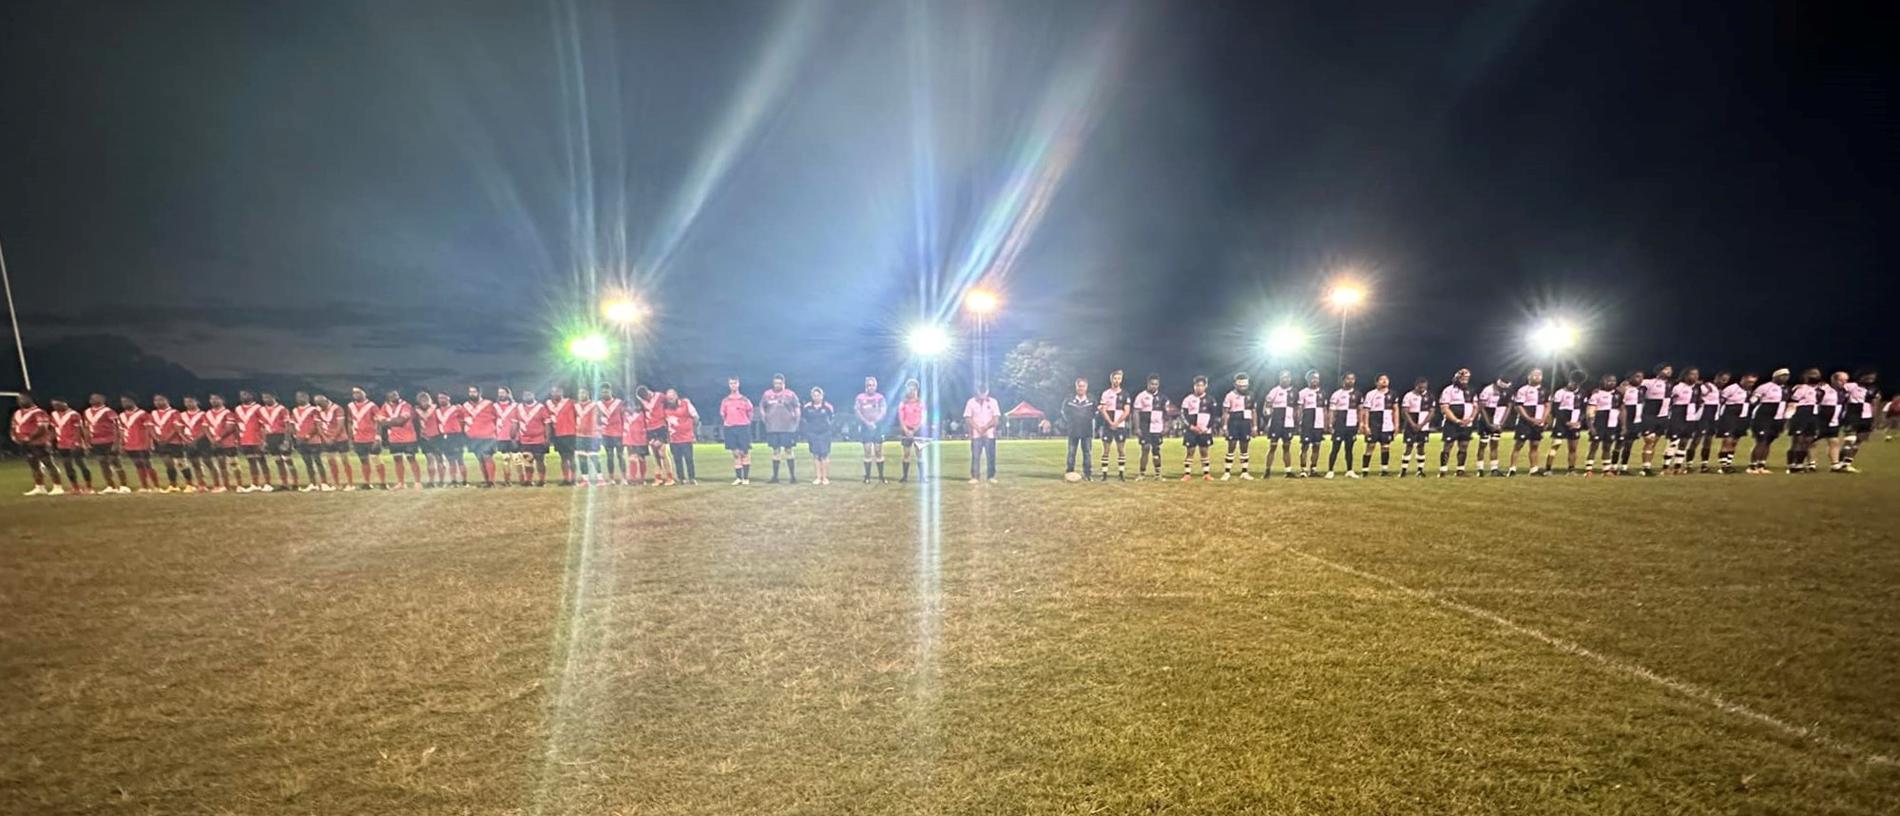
[1688, 413]
[594, 436]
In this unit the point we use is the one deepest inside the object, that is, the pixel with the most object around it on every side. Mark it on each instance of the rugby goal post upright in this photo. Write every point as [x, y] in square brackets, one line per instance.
[13, 317]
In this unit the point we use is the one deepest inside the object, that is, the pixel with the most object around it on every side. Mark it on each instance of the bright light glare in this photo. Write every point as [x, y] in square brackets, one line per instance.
[1345, 296]
[982, 302]
[623, 311]
[1282, 342]
[1553, 337]
[589, 348]
[928, 340]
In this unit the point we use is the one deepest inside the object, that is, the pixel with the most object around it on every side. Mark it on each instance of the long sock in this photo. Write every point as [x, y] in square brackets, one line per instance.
[1350, 442]
[791, 470]
[906, 470]
[867, 470]
[1229, 468]
[775, 464]
[880, 471]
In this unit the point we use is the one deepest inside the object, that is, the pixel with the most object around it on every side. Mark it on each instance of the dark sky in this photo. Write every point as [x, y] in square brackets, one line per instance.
[430, 192]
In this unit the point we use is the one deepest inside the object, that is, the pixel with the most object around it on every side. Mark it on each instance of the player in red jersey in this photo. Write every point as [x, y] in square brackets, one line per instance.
[102, 440]
[195, 429]
[563, 416]
[250, 419]
[613, 427]
[653, 409]
[136, 441]
[277, 440]
[307, 437]
[429, 423]
[531, 425]
[169, 441]
[222, 429]
[397, 419]
[333, 430]
[69, 444]
[587, 439]
[366, 438]
[682, 424]
[481, 415]
[32, 430]
[454, 440]
[507, 434]
[633, 437]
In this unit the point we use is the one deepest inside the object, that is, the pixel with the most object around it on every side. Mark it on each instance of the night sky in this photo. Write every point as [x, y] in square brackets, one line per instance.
[415, 193]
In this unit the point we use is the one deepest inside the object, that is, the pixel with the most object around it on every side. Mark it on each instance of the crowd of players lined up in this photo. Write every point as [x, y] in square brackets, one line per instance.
[605, 440]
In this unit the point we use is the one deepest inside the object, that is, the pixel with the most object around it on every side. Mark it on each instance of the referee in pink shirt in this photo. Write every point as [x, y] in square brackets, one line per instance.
[980, 415]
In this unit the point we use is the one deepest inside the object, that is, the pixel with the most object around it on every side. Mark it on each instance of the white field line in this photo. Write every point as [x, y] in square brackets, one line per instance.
[1570, 647]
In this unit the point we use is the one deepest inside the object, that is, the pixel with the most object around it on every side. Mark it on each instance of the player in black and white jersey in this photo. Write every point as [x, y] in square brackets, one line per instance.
[1709, 398]
[1197, 411]
[1151, 422]
[1685, 405]
[1633, 420]
[1237, 414]
[1767, 416]
[1279, 412]
[1311, 402]
[1458, 413]
[1417, 410]
[1652, 422]
[1863, 401]
[1566, 423]
[1378, 423]
[1804, 402]
[1343, 420]
[1604, 413]
[1494, 418]
[1112, 418]
[1833, 408]
[1731, 415]
[1529, 414]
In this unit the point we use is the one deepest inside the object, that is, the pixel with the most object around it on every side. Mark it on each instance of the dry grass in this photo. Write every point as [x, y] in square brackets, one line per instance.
[1053, 648]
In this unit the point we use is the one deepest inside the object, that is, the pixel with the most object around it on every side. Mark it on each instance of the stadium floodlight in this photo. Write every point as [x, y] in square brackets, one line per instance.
[1283, 341]
[588, 348]
[1554, 338]
[928, 340]
[982, 302]
[1346, 296]
[623, 311]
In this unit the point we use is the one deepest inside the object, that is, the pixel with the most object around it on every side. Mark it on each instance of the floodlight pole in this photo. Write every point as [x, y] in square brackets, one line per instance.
[26, 380]
[1339, 359]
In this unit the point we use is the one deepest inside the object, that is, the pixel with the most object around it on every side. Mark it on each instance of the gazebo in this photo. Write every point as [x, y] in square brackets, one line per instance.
[1024, 420]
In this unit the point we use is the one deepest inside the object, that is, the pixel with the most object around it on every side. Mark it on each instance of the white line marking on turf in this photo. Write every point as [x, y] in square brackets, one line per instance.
[1682, 687]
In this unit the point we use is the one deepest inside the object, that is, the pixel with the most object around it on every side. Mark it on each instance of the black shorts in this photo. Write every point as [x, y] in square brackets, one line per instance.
[482, 448]
[1151, 440]
[532, 448]
[1765, 426]
[905, 440]
[1455, 432]
[1861, 425]
[820, 447]
[1345, 430]
[587, 444]
[610, 442]
[871, 436]
[452, 444]
[1601, 428]
[170, 450]
[38, 452]
[139, 454]
[1562, 430]
[252, 450]
[738, 437]
[1195, 439]
[1804, 422]
[1681, 428]
[1277, 427]
[1418, 437]
[402, 448]
[1529, 431]
[781, 440]
[638, 449]
[277, 443]
[1732, 425]
[564, 445]
[221, 450]
[1239, 428]
[1312, 434]
[365, 449]
[1115, 434]
[309, 447]
[69, 454]
[657, 436]
[1828, 431]
[336, 447]
[1379, 437]
[430, 445]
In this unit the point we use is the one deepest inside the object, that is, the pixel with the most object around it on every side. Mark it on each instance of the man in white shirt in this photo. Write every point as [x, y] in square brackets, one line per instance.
[981, 415]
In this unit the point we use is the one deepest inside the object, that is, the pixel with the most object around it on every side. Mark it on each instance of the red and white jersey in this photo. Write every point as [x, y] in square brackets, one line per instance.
[30, 424]
[1457, 400]
[564, 416]
[276, 419]
[1768, 397]
[1344, 401]
[1379, 413]
[363, 416]
[303, 423]
[613, 417]
[1236, 404]
[135, 430]
[481, 418]
[507, 421]
[222, 427]
[68, 429]
[1279, 404]
[452, 417]
[1531, 397]
[534, 423]
[333, 424]
[193, 425]
[431, 421]
[682, 422]
[399, 420]
[1153, 411]
[635, 434]
[1113, 409]
[654, 411]
[102, 426]
[587, 419]
[250, 417]
[166, 427]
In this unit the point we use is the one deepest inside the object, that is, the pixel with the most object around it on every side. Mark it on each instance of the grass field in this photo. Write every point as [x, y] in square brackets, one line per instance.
[1668, 645]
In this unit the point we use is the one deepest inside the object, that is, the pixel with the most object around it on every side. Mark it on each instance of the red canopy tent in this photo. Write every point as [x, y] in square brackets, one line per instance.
[1024, 420]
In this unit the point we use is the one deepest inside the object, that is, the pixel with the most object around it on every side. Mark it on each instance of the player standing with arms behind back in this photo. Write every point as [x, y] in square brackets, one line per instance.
[735, 420]
[1416, 406]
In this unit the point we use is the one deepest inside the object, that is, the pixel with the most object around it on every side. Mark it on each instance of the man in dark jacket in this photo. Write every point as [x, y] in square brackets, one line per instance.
[1078, 414]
